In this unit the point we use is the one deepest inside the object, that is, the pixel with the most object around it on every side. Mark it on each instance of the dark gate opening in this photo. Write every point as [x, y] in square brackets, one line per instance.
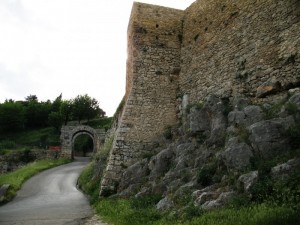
[83, 146]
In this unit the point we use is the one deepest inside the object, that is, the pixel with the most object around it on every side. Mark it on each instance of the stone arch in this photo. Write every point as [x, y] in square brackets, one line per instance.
[70, 133]
[79, 133]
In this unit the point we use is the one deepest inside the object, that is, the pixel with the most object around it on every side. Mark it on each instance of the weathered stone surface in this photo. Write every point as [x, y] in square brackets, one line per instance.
[237, 154]
[283, 170]
[135, 174]
[166, 63]
[269, 137]
[223, 198]
[249, 115]
[269, 87]
[295, 99]
[248, 180]
[204, 197]
[164, 204]
[160, 163]
[199, 120]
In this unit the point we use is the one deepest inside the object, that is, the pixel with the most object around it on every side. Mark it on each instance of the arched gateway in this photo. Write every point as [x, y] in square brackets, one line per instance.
[70, 133]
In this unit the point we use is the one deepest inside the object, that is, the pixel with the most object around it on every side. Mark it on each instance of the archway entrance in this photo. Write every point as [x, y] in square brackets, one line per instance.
[69, 138]
[83, 146]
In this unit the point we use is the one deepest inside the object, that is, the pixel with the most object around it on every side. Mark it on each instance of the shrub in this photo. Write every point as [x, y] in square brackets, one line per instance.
[206, 173]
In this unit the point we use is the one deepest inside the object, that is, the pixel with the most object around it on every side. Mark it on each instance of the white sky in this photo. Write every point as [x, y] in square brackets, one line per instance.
[73, 47]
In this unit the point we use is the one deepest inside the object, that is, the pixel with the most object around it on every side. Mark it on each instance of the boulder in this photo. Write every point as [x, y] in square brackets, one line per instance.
[164, 204]
[295, 99]
[204, 197]
[246, 181]
[283, 170]
[198, 120]
[237, 155]
[223, 199]
[160, 163]
[269, 137]
[271, 86]
[249, 115]
[135, 174]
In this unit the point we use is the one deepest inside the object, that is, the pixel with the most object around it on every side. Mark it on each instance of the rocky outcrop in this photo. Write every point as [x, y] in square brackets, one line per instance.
[212, 146]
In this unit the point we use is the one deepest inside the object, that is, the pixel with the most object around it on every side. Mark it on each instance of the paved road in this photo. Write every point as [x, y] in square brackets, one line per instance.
[50, 197]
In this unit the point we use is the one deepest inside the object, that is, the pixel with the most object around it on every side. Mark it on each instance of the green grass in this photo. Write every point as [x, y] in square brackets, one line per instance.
[88, 183]
[127, 212]
[18, 177]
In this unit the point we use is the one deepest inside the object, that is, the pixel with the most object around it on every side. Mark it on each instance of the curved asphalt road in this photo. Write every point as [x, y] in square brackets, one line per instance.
[50, 197]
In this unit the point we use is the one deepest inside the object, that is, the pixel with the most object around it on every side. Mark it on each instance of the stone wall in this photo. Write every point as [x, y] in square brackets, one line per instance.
[240, 48]
[228, 48]
[153, 66]
[70, 133]
[18, 159]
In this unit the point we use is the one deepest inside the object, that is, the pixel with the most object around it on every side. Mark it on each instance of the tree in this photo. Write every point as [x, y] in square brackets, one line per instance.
[55, 120]
[66, 107]
[31, 98]
[12, 116]
[85, 107]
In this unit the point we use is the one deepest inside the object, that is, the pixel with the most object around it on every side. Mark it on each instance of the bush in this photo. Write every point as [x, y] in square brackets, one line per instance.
[7, 144]
[206, 174]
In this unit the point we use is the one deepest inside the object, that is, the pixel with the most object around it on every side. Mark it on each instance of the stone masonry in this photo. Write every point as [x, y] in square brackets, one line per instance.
[69, 134]
[228, 48]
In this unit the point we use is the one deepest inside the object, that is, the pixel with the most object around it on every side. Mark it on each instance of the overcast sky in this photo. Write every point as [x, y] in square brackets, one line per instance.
[49, 47]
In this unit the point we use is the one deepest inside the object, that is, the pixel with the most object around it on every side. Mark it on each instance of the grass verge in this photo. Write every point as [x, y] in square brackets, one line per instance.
[18, 177]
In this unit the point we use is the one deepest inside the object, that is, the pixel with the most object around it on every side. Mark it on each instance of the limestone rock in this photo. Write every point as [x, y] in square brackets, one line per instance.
[164, 204]
[271, 86]
[204, 197]
[249, 115]
[134, 174]
[248, 180]
[237, 155]
[199, 120]
[219, 202]
[295, 99]
[269, 137]
[160, 163]
[283, 170]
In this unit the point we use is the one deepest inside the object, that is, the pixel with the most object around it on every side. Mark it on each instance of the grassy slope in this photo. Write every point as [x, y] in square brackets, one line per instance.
[141, 211]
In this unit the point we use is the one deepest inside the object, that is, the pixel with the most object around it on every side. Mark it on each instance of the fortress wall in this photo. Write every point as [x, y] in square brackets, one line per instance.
[232, 48]
[153, 67]
[228, 48]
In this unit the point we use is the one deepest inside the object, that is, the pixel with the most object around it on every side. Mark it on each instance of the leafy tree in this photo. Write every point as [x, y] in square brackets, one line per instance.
[31, 98]
[56, 104]
[66, 110]
[55, 120]
[85, 107]
[12, 116]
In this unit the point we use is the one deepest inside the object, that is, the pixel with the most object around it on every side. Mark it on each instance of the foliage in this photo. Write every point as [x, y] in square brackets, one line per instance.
[88, 183]
[31, 113]
[42, 137]
[12, 116]
[102, 123]
[136, 211]
[18, 177]
[206, 173]
[85, 107]
[55, 120]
